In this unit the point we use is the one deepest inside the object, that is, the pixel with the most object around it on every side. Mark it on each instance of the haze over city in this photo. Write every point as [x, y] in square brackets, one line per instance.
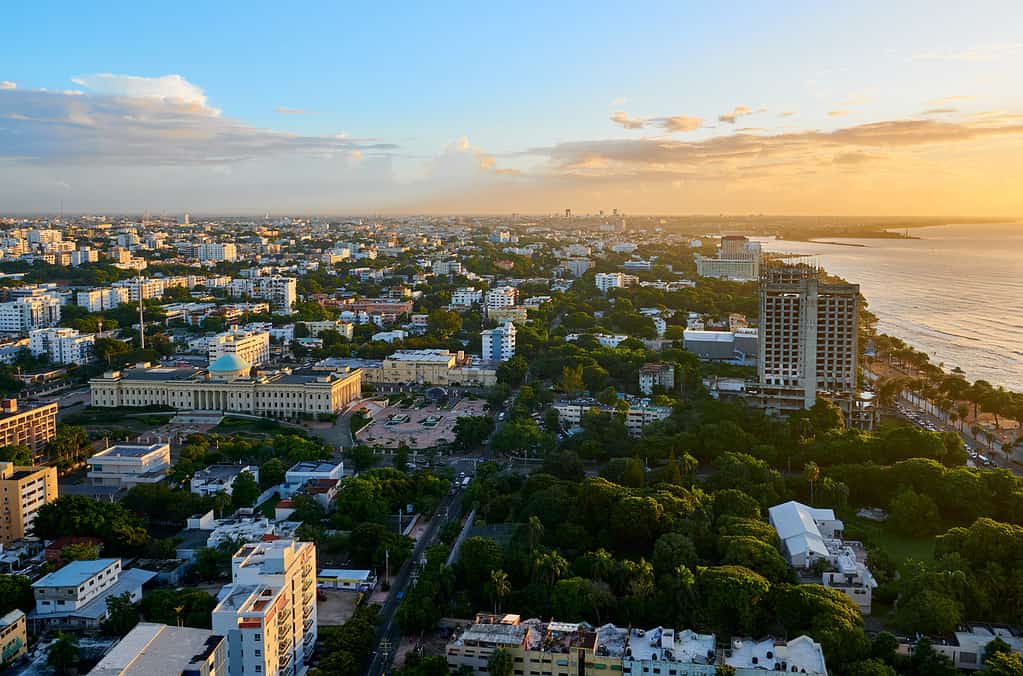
[863, 109]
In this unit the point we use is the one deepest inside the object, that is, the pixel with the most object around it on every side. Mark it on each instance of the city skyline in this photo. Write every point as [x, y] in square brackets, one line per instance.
[661, 109]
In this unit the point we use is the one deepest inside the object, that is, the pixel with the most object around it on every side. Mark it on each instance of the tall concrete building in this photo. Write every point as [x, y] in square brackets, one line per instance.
[499, 342]
[23, 490]
[808, 341]
[252, 346]
[33, 427]
[268, 612]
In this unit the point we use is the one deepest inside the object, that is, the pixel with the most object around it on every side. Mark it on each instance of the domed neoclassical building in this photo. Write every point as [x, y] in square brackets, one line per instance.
[229, 384]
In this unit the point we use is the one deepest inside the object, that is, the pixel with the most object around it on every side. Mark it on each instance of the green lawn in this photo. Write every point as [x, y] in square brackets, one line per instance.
[899, 547]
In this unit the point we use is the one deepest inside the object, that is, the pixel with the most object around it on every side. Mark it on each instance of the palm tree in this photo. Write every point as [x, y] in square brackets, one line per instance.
[812, 473]
[535, 532]
[502, 587]
[549, 567]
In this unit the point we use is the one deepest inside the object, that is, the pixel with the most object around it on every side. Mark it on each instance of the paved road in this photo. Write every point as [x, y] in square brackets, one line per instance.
[972, 445]
[389, 631]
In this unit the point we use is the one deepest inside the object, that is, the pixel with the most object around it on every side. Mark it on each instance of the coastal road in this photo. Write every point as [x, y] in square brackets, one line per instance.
[388, 632]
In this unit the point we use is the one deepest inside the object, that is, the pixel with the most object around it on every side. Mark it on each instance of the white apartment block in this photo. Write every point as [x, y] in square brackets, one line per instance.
[268, 612]
[281, 292]
[447, 268]
[613, 280]
[656, 375]
[149, 288]
[219, 479]
[127, 465]
[24, 314]
[571, 414]
[499, 342]
[466, 297]
[76, 595]
[83, 256]
[501, 297]
[252, 346]
[216, 252]
[62, 345]
[98, 300]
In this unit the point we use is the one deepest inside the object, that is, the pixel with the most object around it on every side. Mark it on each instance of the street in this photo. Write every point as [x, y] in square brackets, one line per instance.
[388, 632]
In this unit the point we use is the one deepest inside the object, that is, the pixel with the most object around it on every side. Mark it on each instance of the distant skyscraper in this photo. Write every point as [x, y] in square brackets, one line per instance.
[187, 219]
[568, 213]
[499, 343]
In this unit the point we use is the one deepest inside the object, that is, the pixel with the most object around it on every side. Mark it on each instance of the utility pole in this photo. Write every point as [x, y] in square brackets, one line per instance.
[387, 566]
[142, 321]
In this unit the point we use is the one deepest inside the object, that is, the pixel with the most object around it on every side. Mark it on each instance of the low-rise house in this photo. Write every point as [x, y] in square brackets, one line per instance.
[571, 648]
[966, 646]
[812, 540]
[345, 578]
[311, 470]
[219, 478]
[76, 595]
[127, 465]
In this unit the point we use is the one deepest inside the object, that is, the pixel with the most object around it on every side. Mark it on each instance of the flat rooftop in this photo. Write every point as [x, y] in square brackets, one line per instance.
[130, 451]
[152, 649]
[74, 573]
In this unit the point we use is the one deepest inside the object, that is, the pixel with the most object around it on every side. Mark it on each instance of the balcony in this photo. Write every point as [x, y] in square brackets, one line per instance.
[307, 610]
[307, 625]
[308, 583]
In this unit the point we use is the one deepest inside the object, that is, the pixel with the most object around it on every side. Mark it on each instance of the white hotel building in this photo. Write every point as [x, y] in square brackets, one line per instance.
[268, 612]
[251, 346]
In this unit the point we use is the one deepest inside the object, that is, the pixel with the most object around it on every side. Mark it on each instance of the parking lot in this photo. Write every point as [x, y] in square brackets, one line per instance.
[417, 426]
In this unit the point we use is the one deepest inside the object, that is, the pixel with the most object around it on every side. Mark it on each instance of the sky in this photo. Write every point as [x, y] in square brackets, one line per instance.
[862, 108]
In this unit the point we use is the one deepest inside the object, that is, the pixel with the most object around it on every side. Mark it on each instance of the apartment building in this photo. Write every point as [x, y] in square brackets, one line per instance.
[151, 648]
[76, 595]
[606, 281]
[127, 465]
[62, 345]
[216, 252]
[33, 427]
[268, 612]
[23, 490]
[656, 375]
[251, 346]
[13, 637]
[83, 256]
[144, 287]
[447, 268]
[500, 297]
[98, 300]
[466, 297]
[499, 342]
[737, 259]
[24, 314]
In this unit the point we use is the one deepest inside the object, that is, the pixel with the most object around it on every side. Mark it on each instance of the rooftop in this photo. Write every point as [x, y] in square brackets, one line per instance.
[74, 573]
[130, 451]
[158, 650]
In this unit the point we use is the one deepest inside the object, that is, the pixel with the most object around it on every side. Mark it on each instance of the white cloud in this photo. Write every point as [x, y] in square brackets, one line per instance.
[173, 88]
[284, 110]
[623, 119]
[7, 84]
[736, 113]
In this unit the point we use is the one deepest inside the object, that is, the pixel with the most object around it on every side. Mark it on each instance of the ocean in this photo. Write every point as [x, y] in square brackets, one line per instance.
[955, 293]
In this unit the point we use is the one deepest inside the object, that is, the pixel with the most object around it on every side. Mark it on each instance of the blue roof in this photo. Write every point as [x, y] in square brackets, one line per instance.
[229, 362]
[73, 574]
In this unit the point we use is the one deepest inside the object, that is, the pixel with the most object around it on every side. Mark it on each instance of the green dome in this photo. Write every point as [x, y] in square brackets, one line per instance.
[229, 363]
